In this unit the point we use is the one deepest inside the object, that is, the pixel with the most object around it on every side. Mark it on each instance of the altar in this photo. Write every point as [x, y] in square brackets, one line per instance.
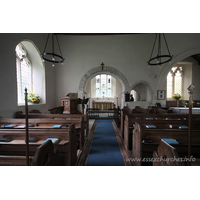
[103, 105]
[183, 110]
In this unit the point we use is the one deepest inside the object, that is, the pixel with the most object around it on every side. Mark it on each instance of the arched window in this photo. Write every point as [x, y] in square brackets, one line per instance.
[175, 81]
[24, 71]
[103, 85]
[30, 72]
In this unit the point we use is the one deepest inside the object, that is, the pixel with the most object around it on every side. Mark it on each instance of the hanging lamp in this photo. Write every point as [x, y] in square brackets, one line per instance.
[52, 56]
[160, 58]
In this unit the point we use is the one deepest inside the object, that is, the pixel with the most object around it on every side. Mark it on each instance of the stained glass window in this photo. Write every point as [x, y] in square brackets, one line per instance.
[109, 92]
[103, 85]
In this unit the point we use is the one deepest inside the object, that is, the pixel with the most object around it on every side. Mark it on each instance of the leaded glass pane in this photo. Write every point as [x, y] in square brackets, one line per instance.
[178, 83]
[169, 85]
[25, 77]
[109, 86]
[103, 85]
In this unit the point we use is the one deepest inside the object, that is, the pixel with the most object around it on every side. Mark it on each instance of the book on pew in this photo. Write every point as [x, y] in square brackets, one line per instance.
[24, 126]
[170, 141]
[64, 126]
[149, 118]
[54, 140]
[173, 126]
[21, 126]
[56, 126]
[147, 141]
[32, 139]
[183, 127]
[150, 126]
[8, 126]
[5, 139]
[30, 125]
[138, 118]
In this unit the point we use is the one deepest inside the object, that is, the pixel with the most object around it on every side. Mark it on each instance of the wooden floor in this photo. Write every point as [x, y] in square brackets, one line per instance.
[86, 149]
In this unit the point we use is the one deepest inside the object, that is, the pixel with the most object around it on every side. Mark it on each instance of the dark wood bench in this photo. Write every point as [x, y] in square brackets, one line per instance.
[56, 110]
[44, 156]
[49, 122]
[124, 112]
[167, 155]
[131, 118]
[74, 117]
[10, 160]
[66, 147]
[146, 140]
[138, 111]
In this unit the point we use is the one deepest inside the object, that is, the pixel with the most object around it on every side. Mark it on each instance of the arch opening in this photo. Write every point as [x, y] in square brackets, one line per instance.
[121, 82]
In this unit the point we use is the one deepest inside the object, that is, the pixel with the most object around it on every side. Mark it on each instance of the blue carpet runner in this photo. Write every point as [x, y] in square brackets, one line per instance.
[105, 150]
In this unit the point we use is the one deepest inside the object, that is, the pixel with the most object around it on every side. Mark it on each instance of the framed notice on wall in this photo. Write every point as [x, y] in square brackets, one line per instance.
[161, 94]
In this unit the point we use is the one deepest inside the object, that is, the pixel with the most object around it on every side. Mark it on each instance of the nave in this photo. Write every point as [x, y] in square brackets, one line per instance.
[104, 146]
[105, 149]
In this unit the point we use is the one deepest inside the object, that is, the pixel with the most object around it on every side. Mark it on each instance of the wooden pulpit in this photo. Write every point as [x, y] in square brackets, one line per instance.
[70, 103]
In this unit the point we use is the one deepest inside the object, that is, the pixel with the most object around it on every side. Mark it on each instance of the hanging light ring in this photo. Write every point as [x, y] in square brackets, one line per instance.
[158, 58]
[58, 58]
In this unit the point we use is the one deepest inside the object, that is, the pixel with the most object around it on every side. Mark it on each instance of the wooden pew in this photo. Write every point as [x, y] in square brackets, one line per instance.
[66, 147]
[10, 160]
[131, 118]
[44, 156]
[152, 110]
[167, 155]
[75, 117]
[124, 112]
[142, 148]
[48, 123]
[140, 111]
[56, 110]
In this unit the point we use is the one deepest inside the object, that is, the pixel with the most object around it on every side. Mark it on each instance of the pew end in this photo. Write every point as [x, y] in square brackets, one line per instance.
[44, 155]
[166, 155]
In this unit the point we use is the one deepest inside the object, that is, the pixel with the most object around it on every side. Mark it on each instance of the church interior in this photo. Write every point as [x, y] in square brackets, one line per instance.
[102, 77]
[96, 99]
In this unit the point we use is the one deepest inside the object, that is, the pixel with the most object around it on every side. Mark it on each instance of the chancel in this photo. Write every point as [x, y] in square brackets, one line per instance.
[103, 106]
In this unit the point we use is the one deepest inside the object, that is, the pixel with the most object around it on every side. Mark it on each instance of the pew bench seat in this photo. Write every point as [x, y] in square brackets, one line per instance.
[8, 160]
[142, 149]
[67, 146]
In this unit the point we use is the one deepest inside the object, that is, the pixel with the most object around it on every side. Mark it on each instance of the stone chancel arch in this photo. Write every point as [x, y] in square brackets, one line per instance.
[108, 70]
